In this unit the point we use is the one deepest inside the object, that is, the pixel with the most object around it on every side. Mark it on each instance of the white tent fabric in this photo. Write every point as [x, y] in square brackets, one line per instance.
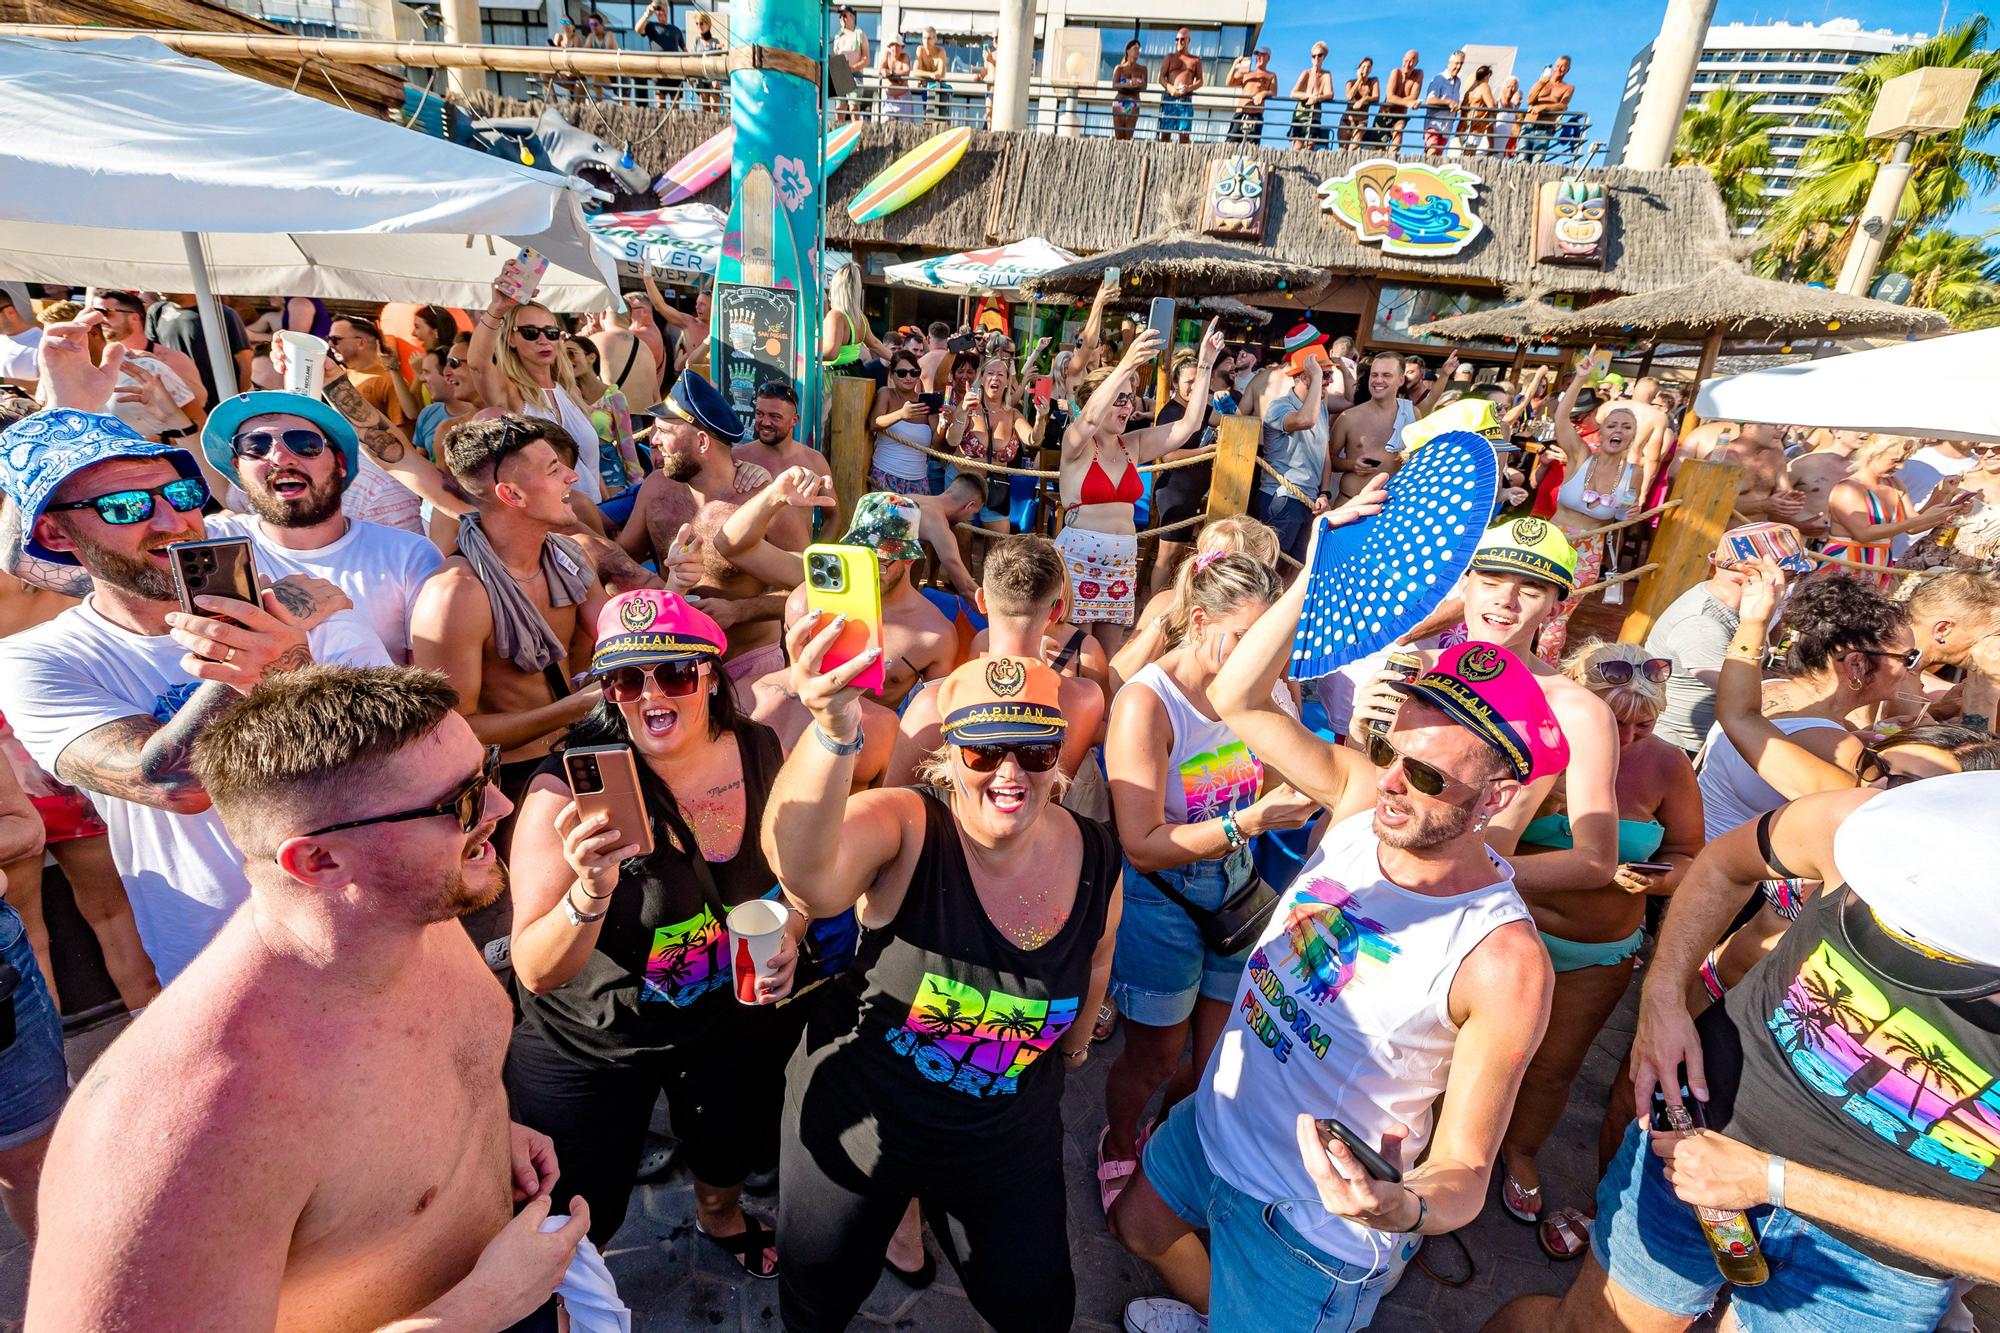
[681, 242]
[1940, 387]
[116, 150]
[982, 272]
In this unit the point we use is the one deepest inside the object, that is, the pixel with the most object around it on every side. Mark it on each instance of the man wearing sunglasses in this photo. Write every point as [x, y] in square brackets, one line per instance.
[1400, 962]
[111, 695]
[263, 1191]
[294, 460]
[1847, 1080]
[358, 344]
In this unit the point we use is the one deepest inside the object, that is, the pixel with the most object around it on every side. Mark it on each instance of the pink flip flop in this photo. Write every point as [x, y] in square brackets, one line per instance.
[1112, 1175]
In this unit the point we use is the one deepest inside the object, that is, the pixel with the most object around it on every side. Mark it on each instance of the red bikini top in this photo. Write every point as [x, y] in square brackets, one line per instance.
[1098, 490]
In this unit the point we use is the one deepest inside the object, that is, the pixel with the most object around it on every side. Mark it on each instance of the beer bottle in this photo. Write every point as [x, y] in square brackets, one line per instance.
[1730, 1235]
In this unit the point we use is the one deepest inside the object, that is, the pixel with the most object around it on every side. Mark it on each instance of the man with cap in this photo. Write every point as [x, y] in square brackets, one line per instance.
[1399, 966]
[294, 458]
[1694, 633]
[111, 695]
[1847, 1082]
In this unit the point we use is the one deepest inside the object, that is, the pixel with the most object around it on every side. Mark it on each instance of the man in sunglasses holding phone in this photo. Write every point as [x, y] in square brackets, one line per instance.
[1847, 1082]
[309, 1130]
[111, 695]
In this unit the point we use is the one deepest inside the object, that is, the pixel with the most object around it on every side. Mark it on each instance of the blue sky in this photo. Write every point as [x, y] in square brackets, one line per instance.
[1600, 38]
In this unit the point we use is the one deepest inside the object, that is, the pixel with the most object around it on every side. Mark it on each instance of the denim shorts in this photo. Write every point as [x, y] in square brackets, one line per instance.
[33, 1079]
[1262, 1273]
[1160, 963]
[1651, 1245]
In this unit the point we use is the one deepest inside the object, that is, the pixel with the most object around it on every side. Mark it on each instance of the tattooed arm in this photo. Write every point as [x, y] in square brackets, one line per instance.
[388, 446]
[616, 570]
[137, 759]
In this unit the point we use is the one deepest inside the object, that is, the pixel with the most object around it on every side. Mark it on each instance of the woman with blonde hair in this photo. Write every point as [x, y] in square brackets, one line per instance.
[518, 363]
[1181, 493]
[1593, 935]
[1236, 535]
[845, 339]
[1868, 511]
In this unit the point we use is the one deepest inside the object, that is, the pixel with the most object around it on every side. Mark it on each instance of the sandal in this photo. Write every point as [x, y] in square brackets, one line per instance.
[1115, 1174]
[1522, 1204]
[1564, 1235]
[1107, 1021]
[754, 1240]
[915, 1279]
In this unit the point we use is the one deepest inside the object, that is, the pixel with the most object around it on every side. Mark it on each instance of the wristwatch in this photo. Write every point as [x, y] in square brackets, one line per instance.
[577, 918]
[838, 747]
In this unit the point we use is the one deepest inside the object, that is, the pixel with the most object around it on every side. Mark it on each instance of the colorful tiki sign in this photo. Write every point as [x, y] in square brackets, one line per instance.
[1413, 209]
[1233, 205]
[1572, 223]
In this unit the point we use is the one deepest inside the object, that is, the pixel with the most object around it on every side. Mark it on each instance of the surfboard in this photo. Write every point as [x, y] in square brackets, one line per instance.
[692, 174]
[909, 176]
[840, 145]
[749, 326]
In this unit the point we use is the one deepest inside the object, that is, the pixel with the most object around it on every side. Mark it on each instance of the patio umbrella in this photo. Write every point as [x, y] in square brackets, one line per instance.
[999, 269]
[682, 241]
[1936, 387]
[1737, 303]
[1525, 321]
[1183, 265]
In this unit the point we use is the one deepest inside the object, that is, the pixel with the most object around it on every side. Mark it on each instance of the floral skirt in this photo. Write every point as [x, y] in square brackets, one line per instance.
[1103, 572]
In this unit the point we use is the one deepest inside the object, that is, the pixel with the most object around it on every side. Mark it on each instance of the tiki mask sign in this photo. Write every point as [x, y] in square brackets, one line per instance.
[1572, 223]
[1233, 204]
[1413, 209]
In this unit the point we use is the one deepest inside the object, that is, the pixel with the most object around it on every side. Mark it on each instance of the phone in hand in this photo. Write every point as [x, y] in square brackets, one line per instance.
[213, 567]
[933, 401]
[1650, 867]
[1112, 275]
[1160, 319]
[845, 580]
[521, 277]
[1378, 1166]
[606, 778]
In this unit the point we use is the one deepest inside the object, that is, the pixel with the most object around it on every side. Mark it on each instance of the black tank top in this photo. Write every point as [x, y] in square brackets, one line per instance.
[1844, 1070]
[660, 973]
[942, 1034]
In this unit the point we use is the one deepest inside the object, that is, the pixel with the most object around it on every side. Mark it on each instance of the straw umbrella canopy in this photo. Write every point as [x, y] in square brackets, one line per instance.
[1740, 305]
[1231, 308]
[1524, 321]
[1180, 264]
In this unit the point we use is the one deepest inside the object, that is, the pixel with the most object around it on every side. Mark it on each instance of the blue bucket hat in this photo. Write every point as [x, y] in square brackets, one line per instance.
[40, 452]
[219, 435]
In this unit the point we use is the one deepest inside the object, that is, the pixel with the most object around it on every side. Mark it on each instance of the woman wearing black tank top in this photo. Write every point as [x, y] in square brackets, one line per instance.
[934, 1070]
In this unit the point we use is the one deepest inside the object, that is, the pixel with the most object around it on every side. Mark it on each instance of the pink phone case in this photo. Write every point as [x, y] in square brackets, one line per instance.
[521, 276]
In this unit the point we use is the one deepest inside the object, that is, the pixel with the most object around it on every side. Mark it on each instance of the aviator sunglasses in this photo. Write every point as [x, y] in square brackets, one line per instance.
[261, 444]
[1421, 776]
[124, 508]
[1037, 758]
[676, 680]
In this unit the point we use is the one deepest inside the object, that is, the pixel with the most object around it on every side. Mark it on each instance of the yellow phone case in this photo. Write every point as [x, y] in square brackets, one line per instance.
[845, 581]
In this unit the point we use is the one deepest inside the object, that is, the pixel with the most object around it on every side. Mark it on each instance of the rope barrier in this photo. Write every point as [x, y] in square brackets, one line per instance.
[1283, 483]
[1626, 577]
[1625, 522]
[1143, 532]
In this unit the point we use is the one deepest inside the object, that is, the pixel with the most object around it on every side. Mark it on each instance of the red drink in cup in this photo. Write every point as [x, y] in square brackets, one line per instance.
[756, 929]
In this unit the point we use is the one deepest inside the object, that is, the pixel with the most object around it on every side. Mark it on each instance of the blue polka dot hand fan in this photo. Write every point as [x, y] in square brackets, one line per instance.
[1372, 581]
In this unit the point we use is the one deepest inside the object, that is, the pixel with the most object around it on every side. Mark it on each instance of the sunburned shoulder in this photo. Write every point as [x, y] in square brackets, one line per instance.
[1575, 706]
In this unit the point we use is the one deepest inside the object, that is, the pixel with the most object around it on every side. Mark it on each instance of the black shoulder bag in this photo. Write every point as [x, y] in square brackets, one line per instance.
[1235, 925]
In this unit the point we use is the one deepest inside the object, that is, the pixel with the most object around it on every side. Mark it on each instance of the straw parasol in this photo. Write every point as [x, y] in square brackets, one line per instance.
[1182, 264]
[1526, 321]
[1231, 308]
[1740, 305]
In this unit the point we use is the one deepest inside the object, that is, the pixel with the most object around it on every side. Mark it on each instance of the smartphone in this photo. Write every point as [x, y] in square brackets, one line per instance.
[606, 778]
[1651, 867]
[215, 567]
[934, 401]
[1160, 319]
[1112, 275]
[1598, 362]
[845, 580]
[1377, 1165]
[521, 276]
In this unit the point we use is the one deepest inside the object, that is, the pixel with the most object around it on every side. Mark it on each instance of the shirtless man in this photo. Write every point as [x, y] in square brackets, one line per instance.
[1181, 77]
[209, 1174]
[1702, 442]
[771, 447]
[691, 350]
[1815, 473]
[630, 351]
[1547, 100]
[1361, 435]
[1766, 493]
[1399, 98]
[1022, 599]
[961, 502]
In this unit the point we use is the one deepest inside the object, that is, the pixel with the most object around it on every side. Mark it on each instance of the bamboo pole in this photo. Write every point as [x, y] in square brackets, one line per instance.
[1706, 495]
[850, 443]
[1711, 348]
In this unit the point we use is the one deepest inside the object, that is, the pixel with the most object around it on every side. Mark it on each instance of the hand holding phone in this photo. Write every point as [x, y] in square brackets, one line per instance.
[604, 779]
[521, 276]
[1354, 1180]
[845, 581]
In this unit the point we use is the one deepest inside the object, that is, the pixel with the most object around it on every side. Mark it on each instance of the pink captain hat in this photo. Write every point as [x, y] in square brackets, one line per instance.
[1492, 693]
[652, 625]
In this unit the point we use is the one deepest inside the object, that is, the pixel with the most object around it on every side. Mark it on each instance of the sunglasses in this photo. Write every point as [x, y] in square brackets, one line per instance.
[464, 805]
[124, 508]
[676, 680]
[1421, 776]
[298, 441]
[1870, 768]
[537, 332]
[1909, 657]
[1037, 758]
[452, 363]
[1123, 400]
[1986, 448]
[905, 374]
[1656, 669]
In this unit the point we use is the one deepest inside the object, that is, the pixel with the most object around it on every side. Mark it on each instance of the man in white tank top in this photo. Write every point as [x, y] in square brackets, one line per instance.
[1399, 965]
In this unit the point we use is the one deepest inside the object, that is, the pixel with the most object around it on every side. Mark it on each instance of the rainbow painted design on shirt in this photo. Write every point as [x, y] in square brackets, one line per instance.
[688, 960]
[1326, 944]
[978, 1042]
[1219, 781]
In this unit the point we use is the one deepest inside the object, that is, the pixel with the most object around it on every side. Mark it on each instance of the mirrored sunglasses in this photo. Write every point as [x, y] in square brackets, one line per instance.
[260, 444]
[124, 508]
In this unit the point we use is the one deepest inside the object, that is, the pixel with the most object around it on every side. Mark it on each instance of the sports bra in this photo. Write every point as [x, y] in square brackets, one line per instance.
[1097, 488]
[1576, 494]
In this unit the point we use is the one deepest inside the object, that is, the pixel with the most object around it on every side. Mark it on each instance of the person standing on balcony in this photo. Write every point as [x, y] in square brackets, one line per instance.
[1406, 85]
[1507, 124]
[657, 26]
[1364, 90]
[1441, 102]
[932, 64]
[895, 73]
[1547, 101]
[1313, 90]
[1128, 84]
[1181, 78]
[850, 44]
[1476, 130]
[704, 43]
[989, 71]
[1259, 84]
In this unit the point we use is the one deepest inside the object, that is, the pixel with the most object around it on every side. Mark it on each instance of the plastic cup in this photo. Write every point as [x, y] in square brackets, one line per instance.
[756, 929]
[305, 363]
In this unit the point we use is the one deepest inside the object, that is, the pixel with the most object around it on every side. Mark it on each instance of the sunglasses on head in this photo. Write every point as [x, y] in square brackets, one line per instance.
[1421, 776]
[123, 508]
[464, 805]
[676, 680]
[537, 332]
[1039, 757]
[298, 441]
[1619, 672]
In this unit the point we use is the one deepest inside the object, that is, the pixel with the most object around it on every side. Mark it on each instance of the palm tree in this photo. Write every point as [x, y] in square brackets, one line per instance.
[1956, 275]
[1810, 229]
[1733, 141]
[1016, 1022]
[947, 1020]
[1933, 1063]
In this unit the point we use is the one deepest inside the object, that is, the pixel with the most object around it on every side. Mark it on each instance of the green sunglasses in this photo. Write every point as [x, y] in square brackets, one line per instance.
[124, 508]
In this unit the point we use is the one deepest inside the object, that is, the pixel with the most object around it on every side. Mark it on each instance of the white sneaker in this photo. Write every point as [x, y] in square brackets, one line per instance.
[1163, 1314]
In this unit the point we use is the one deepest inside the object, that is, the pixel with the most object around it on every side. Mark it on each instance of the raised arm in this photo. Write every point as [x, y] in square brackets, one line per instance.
[494, 389]
[1156, 442]
[1575, 451]
[741, 541]
[389, 447]
[1093, 324]
[1739, 702]
[1096, 410]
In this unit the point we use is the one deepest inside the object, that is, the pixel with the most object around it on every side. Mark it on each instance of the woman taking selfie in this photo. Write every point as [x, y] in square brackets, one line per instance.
[934, 1068]
[902, 419]
[622, 954]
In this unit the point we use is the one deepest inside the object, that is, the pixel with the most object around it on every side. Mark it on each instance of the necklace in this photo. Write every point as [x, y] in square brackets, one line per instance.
[524, 582]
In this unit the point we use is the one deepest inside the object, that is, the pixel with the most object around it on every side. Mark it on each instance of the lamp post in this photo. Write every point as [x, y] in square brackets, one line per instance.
[1924, 101]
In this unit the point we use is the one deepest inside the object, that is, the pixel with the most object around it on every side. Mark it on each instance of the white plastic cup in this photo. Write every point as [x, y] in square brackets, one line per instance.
[305, 363]
[756, 929]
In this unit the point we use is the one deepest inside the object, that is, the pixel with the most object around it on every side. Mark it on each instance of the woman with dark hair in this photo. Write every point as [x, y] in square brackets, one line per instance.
[1128, 81]
[903, 425]
[623, 957]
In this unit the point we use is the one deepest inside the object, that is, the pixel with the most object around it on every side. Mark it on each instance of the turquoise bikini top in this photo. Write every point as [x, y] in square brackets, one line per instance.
[1638, 839]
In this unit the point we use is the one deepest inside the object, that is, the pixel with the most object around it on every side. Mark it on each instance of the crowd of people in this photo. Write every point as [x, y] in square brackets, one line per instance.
[407, 994]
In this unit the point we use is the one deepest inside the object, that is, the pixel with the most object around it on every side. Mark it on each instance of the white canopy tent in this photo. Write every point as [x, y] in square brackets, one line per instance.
[995, 271]
[126, 164]
[1940, 387]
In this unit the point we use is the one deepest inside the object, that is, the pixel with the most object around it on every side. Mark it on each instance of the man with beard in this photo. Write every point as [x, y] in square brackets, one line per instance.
[1400, 966]
[111, 695]
[294, 457]
[772, 448]
[324, 1136]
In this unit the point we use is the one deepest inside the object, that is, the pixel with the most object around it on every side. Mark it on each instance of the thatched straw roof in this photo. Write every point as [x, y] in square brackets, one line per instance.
[1095, 195]
[1745, 306]
[1230, 308]
[1535, 320]
[1179, 264]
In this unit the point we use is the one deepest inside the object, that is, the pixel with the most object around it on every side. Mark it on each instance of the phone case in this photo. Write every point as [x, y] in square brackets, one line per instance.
[215, 567]
[859, 598]
[1160, 319]
[617, 791]
[521, 276]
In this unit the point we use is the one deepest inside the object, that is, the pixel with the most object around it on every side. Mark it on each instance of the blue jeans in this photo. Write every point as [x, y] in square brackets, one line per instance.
[1160, 963]
[1651, 1245]
[33, 1079]
[1289, 517]
[1262, 1273]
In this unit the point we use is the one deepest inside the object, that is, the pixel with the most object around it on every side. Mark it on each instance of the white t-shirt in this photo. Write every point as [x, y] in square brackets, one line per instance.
[17, 355]
[380, 569]
[374, 496]
[1343, 1011]
[77, 672]
[1927, 467]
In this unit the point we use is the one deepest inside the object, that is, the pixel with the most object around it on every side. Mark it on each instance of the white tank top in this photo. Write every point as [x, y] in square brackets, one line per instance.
[1731, 792]
[565, 412]
[1344, 1010]
[1210, 772]
[895, 458]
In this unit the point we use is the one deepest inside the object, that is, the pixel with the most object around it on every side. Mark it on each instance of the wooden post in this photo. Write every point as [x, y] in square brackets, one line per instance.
[850, 444]
[1235, 476]
[1711, 348]
[1688, 534]
[1646, 361]
[1520, 359]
